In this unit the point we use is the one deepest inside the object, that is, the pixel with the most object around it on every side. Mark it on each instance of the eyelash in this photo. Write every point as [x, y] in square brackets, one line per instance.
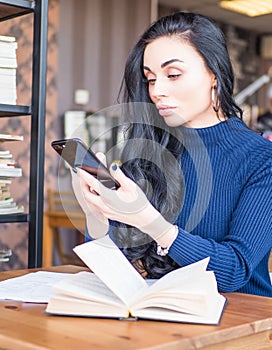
[173, 76]
[152, 81]
[148, 81]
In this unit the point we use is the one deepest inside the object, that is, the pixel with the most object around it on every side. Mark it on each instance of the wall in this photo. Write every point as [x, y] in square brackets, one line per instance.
[95, 37]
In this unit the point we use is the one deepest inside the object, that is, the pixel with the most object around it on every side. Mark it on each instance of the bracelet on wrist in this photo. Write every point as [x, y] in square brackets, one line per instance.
[164, 251]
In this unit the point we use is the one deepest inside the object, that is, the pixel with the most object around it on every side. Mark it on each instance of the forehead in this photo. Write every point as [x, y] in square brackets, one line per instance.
[165, 48]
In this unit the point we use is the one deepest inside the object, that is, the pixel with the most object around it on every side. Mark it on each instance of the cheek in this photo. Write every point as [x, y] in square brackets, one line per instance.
[150, 92]
[194, 91]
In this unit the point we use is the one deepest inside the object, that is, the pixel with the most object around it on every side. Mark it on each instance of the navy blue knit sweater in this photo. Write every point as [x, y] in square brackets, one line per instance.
[227, 207]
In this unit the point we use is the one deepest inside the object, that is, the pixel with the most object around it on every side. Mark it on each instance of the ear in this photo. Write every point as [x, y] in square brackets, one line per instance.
[214, 81]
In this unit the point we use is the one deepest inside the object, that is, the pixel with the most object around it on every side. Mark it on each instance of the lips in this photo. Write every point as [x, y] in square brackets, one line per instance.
[165, 110]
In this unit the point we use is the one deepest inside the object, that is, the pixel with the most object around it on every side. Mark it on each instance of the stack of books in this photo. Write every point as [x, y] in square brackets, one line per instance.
[8, 65]
[8, 171]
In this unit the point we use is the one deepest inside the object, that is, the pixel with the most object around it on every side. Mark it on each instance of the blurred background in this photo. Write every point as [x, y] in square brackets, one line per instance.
[88, 43]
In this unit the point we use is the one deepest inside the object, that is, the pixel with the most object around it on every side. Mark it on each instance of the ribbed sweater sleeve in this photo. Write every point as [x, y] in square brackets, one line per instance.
[235, 227]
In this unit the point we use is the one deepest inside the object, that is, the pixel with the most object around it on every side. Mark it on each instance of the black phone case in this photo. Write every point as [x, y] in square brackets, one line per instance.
[77, 154]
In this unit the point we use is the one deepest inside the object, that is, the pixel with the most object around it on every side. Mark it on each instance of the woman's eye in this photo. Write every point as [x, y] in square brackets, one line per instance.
[173, 76]
[151, 81]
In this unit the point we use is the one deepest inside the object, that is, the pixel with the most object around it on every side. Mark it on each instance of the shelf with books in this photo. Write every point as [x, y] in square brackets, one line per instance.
[9, 170]
[36, 111]
[8, 67]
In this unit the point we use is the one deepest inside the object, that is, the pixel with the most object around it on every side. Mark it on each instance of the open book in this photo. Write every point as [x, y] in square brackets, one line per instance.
[116, 290]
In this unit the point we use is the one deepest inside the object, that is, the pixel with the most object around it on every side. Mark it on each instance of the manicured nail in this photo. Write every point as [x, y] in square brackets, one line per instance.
[114, 166]
[74, 170]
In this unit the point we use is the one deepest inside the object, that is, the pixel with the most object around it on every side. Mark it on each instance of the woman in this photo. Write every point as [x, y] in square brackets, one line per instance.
[195, 181]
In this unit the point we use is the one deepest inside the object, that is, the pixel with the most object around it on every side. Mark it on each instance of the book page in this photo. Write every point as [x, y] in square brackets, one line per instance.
[212, 317]
[86, 285]
[186, 294]
[182, 280]
[61, 304]
[105, 259]
[177, 278]
[34, 287]
[194, 295]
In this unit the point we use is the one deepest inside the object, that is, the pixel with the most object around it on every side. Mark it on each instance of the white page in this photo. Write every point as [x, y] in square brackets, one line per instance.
[182, 280]
[105, 259]
[88, 286]
[34, 287]
[192, 280]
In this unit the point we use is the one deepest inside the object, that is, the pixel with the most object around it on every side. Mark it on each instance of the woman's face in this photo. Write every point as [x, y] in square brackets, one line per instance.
[179, 83]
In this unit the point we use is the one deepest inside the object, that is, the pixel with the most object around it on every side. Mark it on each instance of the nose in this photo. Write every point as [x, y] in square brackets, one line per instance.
[158, 89]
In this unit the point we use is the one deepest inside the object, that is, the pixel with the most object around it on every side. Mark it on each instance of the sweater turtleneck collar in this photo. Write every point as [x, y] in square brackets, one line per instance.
[195, 137]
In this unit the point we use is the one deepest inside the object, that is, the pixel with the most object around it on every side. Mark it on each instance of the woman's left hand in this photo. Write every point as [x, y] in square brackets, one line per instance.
[128, 204]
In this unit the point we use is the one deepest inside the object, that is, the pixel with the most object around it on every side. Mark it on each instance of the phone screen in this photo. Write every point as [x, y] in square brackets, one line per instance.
[76, 154]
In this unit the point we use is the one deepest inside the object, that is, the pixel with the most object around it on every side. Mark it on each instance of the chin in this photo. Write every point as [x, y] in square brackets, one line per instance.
[174, 122]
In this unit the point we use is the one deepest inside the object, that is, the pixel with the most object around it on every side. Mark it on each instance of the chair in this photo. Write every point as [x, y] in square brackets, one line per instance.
[63, 212]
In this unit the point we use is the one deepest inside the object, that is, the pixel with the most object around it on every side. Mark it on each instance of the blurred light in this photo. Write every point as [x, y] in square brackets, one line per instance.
[251, 8]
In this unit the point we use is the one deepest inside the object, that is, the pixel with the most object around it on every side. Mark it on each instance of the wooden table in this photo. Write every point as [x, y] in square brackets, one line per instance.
[246, 324]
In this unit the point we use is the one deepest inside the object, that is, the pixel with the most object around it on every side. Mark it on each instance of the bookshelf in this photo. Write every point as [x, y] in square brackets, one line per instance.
[36, 111]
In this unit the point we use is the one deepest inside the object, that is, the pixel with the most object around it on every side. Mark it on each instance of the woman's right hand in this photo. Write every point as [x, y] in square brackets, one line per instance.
[97, 223]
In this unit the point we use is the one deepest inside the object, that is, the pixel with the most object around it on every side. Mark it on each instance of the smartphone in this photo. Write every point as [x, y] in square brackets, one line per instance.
[77, 154]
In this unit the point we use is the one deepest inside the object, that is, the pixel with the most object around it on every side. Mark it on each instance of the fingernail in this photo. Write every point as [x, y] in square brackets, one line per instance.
[74, 170]
[114, 166]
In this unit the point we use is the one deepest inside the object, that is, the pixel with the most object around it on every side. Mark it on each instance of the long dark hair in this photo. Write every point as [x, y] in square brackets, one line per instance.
[151, 155]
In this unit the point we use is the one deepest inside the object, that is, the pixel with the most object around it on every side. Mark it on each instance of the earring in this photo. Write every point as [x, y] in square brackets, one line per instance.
[215, 101]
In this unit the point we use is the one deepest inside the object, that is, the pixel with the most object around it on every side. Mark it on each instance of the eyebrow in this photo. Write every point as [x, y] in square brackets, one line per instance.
[166, 63]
